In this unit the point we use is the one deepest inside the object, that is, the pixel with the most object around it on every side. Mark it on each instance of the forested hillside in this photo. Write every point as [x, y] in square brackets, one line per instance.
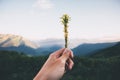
[101, 66]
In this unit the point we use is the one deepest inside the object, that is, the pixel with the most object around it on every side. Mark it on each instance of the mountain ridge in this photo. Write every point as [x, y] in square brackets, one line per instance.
[21, 44]
[8, 40]
[108, 52]
[90, 48]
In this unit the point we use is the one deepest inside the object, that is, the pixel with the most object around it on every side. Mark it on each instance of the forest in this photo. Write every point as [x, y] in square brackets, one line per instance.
[99, 66]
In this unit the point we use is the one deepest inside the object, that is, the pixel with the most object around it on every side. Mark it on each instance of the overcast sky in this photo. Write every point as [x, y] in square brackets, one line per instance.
[40, 19]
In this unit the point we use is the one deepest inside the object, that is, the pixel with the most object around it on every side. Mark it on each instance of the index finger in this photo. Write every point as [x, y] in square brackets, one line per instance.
[59, 52]
[71, 53]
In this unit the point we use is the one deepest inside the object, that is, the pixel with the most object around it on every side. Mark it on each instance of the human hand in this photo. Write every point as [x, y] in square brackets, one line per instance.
[54, 67]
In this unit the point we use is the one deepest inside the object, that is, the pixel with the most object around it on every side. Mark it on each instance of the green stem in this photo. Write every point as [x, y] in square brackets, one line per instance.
[66, 36]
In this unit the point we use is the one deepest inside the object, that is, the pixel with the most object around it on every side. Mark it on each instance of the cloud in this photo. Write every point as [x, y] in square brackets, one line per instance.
[43, 4]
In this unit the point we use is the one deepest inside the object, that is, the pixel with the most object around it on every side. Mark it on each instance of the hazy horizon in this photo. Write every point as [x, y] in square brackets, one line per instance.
[40, 19]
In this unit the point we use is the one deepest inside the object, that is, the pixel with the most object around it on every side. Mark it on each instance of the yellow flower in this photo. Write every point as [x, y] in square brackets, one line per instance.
[65, 20]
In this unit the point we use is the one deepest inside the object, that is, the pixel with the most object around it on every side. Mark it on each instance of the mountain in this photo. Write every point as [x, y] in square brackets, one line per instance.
[90, 48]
[108, 52]
[43, 47]
[17, 43]
[20, 44]
[8, 40]
[44, 50]
[51, 42]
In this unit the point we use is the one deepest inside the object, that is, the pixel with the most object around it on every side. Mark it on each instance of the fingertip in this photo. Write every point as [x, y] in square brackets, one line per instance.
[66, 54]
[62, 49]
[59, 52]
[71, 52]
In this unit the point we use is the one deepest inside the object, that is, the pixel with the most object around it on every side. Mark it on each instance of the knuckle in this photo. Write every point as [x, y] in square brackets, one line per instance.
[61, 61]
[51, 55]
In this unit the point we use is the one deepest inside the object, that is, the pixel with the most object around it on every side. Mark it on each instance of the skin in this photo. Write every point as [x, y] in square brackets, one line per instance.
[55, 66]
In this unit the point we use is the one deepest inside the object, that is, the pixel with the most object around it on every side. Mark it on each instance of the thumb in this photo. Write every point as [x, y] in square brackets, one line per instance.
[66, 54]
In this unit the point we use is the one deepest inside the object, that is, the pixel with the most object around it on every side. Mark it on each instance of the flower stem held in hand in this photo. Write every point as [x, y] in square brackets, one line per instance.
[54, 67]
[65, 20]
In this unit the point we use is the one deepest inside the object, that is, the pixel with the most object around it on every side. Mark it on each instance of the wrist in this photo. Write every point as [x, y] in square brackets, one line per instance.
[40, 76]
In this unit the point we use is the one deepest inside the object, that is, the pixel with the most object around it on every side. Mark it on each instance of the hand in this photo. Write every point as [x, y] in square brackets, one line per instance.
[54, 67]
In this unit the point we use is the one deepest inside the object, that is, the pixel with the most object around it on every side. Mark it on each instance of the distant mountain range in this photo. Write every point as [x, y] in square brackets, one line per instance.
[43, 47]
[44, 50]
[17, 43]
[8, 40]
[112, 51]
[91, 48]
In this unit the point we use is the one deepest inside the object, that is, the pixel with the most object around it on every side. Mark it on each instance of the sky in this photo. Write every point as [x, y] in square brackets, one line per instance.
[40, 19]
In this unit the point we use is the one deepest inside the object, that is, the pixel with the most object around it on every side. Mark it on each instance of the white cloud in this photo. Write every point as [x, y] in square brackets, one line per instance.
[43, 4]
